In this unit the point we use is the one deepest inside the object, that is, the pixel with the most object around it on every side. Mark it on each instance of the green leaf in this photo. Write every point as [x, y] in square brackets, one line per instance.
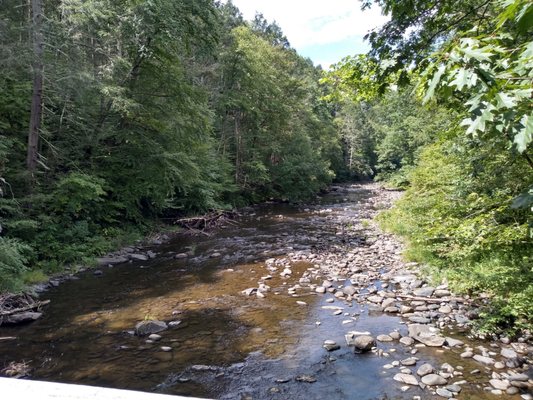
[433, 84]
[505, 101]
[524, 136]
[481, 54]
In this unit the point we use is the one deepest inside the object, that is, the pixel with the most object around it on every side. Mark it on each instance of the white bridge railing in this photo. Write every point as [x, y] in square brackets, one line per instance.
[38, 390]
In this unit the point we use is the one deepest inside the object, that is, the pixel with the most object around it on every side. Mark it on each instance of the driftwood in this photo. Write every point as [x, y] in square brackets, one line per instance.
[13, 305]
[32, 306]
[432, 299]
[208, 221]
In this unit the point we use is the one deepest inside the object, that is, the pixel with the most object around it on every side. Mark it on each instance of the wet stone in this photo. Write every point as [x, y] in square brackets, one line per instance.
[406, 378]
[409, 361]
[363, 343]
[331, 345]
[384, 338]
[306, 378]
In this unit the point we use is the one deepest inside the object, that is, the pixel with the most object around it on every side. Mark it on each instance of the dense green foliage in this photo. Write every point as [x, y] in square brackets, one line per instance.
[467, 211]
[157, 109]
[149, 109]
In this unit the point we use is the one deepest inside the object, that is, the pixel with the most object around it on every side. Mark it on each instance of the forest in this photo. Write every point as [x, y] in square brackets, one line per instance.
[119, 116]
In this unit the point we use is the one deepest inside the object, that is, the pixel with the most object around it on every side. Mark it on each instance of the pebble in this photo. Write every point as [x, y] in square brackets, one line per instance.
[384, 338]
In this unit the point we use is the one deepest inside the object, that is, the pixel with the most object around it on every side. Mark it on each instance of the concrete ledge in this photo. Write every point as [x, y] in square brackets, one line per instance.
[26, 389]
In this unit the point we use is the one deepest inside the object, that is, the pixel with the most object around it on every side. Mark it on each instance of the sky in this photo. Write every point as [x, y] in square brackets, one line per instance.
[324, 31]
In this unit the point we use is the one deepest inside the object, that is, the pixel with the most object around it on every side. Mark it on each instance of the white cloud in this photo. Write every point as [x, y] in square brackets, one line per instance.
[313, 22]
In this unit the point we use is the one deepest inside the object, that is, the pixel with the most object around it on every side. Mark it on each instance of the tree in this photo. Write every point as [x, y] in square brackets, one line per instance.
[37, 96]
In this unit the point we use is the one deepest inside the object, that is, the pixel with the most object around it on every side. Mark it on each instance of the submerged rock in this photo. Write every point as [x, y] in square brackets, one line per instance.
[148, 327]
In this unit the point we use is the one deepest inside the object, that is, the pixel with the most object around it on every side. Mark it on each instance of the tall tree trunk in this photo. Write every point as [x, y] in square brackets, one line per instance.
[36, 100]
[238, 145]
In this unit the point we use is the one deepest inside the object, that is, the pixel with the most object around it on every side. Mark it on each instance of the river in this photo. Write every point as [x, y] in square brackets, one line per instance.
[229, 345]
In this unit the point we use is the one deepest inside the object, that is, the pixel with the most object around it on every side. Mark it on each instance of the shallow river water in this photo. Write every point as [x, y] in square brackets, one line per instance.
[228, 345]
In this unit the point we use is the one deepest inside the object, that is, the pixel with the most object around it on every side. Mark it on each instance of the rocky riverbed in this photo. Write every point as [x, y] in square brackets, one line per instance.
[292, 301]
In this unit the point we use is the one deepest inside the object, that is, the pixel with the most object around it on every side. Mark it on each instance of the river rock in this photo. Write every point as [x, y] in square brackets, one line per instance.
[407, 341]
[444, 393]
[406, 378]
[483, 360]
[375, 299]
[445, 309]
[181, 256]
[518, 377]
[363, 343]
[467, 354]
[139, 257]
[424, 292]
[155, 337]
[425, 369]
[306, 378]
[392, 309]
[426, 335]
[166, 348]
[388, 302]
[409, 361]
[349, 290]
[499, 384]
[320, 289]
[433, 380]
[384, 338]
[508, 353]
[249, 291]
[441, 293]
[111, 260]
[453, 342]
[405, 309]
[331, 345]
[148, 327]
[454, 388]
[395, 335]
[19, 318]
[418, 319]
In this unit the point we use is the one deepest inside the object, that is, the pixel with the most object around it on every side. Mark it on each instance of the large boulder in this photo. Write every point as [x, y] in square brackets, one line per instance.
[148, 327]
